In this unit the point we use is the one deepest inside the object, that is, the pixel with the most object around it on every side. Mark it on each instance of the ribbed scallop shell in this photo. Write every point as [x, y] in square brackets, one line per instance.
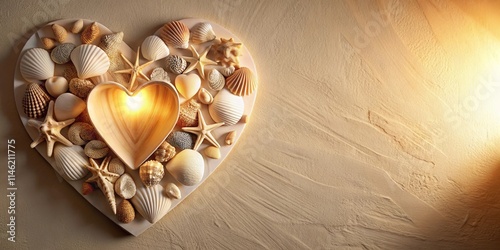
[216, 80]
[227, 108]
[89, 61]
[153, 48]
[202, 32]
[70, 161]
[175, 34]
[151, 173]
[151, 202]
[35, 101]
[242, 82]
[36, 65]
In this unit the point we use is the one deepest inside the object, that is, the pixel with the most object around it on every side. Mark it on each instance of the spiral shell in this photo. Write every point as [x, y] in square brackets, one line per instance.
[89, 61]
[165, 152]
[175, 34]
[153, 48]
[176, 64]
[242, 82]
[151, 203]
[216, 80]
[227, 108]
[59, 32]
[151, 173]
[202, 32]
[35, 101]
[36, 65]
[61, 53]
[90, 33]
[70, 162]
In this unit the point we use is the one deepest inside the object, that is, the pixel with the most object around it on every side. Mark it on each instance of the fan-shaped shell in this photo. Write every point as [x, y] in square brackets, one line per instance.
[216, 80]
[89, 61]
[153, 48]
[151, 202]
[36, 65]
[227, 108]
[35, 101]
[175, 34]
[151, 173]
[202, 32]
[70, 162]
[242, 82]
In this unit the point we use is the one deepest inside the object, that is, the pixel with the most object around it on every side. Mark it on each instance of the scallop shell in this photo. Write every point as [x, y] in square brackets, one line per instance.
[77, 26]
[151, 173]
[90, 33]
[48, 43]
[205, 97]
[227, 108]
[242, 82]
[175, 34]
[153, 48]
[70, 162]
[187, 167]
[151, 203]
[35, 101]
[59, 32]
[202, 32]
[89, 61]
[36, 65]
[176, 64]
[61, 53]
[216, 80]
[125, 186]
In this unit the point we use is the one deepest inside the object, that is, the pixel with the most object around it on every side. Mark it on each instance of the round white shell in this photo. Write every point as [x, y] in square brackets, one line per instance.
[227, 108]
[125, 186]
[70, 162]
[56, 85]
[187, 167]
[68, 106]
[89, 61]
[202, 32]
[153, 48]
[151, 202]
[36, 65]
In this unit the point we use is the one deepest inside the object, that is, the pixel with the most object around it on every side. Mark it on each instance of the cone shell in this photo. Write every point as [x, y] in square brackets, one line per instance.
[242, 82]
[125, 186]
[48, 43]
[111, 43]
[216, 80]
[90, 33]
[151, 203]
[202, 32]
[35, 101]
[77, 26]
[70, 162]
[60, 33]
[151, 173]
[153, 48]
[176, 64]
[227, 108]
[36, 65]
[89, 61]
[187, 167]
[175, 34]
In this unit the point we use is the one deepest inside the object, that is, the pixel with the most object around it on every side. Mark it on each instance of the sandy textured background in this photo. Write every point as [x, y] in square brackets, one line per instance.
[377, 126]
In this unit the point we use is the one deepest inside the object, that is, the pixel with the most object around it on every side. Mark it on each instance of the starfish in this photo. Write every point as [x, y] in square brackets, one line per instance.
[105, 179]
[50, 130]
[203, 131]
[135, 69]
[198, 61]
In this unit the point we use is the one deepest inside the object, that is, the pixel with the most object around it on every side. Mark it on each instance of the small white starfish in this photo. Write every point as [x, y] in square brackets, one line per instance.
[50, 130]
[198, 61]
[135, 69]
[105, 180]
[203, 131]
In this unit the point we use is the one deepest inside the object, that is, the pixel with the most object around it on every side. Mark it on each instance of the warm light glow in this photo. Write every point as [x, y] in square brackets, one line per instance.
[135, 102]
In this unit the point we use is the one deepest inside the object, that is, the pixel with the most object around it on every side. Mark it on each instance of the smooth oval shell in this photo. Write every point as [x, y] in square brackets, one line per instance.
[125, 186]
[216, 80]
[116, 166]
[56, 85]
[77, 26]
[89, 61]
[151, 173]
[173, 191]
[36, 64]
[35, 101]
[187, 167]
[151, 203]
[242, 82]
[212, 152]
[202, 32]
[125, 212]
[153, 48]
[96, 149]
[79, 133]
[175, 34]
[176, 64]
[70, 162]
[227, 108]
[188, 85]
[68, 106]
[205, 97]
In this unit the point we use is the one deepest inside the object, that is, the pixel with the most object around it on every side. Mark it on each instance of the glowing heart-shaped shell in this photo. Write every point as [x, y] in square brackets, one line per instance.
[188, 85]
[89, 61]
[36, 64]
[153, 48]
[227, 108]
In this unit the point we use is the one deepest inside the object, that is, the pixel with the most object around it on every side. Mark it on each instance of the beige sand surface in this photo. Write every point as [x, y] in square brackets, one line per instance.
[377, 126]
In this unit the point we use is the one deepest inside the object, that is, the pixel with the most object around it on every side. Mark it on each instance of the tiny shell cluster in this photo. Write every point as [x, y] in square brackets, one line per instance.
[211, 83]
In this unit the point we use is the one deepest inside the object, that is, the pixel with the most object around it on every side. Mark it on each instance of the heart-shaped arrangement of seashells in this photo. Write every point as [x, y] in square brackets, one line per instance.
[134, 131]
